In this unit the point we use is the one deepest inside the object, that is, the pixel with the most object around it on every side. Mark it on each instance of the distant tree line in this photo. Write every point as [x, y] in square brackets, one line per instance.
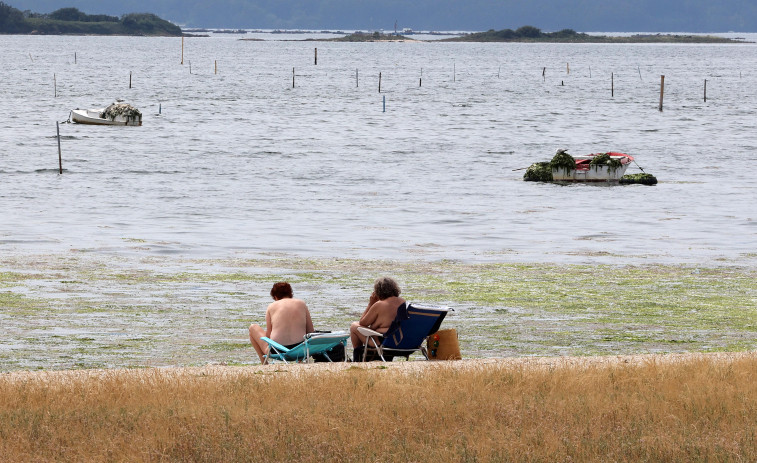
[73, 21]
[523, 33]
[534, 34]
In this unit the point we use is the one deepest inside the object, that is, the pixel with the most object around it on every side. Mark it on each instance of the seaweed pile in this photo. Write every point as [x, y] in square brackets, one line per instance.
[604, 159]
[538, 172]
[642, 179]
[121, 109]
[563, 160]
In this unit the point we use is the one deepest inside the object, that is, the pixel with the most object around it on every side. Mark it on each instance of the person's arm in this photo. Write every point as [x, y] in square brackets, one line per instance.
[308, 321]
[370, 316]
[268, 324]
[372, 300]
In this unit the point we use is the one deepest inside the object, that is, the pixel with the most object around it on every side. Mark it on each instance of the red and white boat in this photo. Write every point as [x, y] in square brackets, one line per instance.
[585, 171]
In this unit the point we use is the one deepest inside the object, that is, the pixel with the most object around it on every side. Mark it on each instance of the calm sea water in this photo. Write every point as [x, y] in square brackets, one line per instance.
[240, 162]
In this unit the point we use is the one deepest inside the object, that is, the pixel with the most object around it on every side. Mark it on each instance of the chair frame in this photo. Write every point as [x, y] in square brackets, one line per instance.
[372, 336]
[302, 351]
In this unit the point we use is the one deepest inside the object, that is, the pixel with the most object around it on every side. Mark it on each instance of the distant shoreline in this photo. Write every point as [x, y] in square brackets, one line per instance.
[531, 35]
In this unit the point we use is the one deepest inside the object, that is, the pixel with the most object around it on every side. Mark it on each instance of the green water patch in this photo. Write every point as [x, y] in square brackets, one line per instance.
[163, 311]
[225, 346]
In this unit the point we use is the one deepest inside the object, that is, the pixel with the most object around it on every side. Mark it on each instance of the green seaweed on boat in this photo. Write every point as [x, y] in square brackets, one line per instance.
[604, 159]
[563, 160]
[538, 172]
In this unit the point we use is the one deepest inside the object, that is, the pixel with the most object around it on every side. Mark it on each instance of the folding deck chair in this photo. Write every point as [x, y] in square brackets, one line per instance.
[313, 343]
[412, 325]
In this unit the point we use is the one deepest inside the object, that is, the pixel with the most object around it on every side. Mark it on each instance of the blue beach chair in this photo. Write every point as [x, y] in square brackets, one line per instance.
[412, 325]
[313, 343]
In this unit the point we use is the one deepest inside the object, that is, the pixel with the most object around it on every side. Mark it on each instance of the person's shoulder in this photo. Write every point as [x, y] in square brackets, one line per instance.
[297, 302]
[389, 303]
[273, 305]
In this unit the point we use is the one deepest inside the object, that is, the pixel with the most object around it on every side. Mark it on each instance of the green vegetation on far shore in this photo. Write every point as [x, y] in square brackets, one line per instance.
[71, 21]
[369, 37]
[534, 34]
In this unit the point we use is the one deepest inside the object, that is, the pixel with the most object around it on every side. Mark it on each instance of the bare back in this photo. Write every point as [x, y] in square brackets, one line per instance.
[381, 314]
[288, 320]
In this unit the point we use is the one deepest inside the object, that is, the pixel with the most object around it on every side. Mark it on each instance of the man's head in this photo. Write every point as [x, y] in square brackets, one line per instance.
[281, 290]
[385, 288]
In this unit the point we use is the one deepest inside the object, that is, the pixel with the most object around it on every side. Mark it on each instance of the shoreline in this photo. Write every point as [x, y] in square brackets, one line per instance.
[85, 311]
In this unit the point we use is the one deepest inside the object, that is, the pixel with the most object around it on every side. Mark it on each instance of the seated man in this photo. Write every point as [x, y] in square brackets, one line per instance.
[380, 313]
[287, 321]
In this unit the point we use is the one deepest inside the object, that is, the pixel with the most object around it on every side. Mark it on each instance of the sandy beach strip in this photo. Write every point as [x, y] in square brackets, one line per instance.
[412, 367]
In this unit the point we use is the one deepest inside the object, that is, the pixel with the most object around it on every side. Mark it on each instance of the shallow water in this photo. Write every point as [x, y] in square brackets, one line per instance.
[241, 163]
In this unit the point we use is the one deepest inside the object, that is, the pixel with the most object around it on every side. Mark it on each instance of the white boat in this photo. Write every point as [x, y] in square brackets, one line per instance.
[115, 114]
[609, 171]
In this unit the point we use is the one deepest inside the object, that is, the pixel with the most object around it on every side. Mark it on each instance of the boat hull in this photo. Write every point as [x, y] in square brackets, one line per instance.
[92, 117]
[592, 174]
[585, 172]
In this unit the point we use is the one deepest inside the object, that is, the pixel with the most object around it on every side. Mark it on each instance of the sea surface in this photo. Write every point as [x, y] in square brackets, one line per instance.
[234, 158]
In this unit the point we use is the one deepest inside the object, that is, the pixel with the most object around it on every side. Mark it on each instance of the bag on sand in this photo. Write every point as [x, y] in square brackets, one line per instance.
[443, 345]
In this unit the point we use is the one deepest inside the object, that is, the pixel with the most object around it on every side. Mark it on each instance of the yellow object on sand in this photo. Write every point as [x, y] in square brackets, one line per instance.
[443, 345]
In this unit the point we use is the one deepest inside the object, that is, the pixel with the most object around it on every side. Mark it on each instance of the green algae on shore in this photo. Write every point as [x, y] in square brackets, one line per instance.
[85, 311]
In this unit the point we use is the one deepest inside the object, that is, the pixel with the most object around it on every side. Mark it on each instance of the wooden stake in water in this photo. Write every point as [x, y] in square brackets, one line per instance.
[316, 56]
[662, 90]
[190, 66]
[160, 108]
[74, 57]
[612, 84]
[567, 68]
[379, 82]
[384, 104]
[639, 68]
[544, 74]
[357, 82]
[129, 79]
[60, 156]
[292, 77]
[705, 90]
[182, 51]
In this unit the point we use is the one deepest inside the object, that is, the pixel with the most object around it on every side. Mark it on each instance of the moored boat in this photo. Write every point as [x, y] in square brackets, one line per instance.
[115, 114]
[609, 167]
[597, 167]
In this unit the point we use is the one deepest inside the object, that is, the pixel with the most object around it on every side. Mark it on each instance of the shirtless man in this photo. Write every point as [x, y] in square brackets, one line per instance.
[381, 310]
[287, 321]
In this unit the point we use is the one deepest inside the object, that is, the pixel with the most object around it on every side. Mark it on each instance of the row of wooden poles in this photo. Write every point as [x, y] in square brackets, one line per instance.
[420, 81]
[357, 84]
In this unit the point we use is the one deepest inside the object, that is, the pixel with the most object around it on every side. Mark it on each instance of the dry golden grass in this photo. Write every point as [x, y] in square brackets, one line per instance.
[654, 408]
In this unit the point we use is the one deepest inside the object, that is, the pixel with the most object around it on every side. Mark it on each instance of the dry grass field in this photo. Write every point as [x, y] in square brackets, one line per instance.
[691, 407]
